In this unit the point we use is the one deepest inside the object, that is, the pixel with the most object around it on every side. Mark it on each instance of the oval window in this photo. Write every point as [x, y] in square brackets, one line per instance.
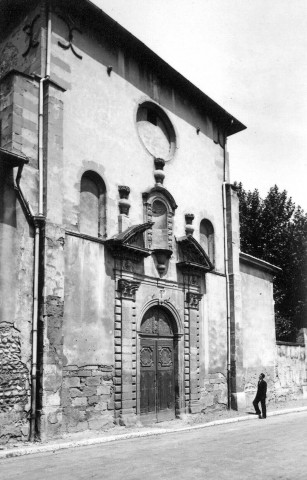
[156, 131]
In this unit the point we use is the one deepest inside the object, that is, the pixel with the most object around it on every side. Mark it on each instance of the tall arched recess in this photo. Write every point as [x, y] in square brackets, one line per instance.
[206, 231]
[92, 219]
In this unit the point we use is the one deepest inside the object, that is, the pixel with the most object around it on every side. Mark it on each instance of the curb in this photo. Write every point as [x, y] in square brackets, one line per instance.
[19, 452]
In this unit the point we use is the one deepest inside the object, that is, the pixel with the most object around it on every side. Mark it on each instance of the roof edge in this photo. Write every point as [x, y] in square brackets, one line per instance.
[258, 263]
[228, 122]
[12, 159]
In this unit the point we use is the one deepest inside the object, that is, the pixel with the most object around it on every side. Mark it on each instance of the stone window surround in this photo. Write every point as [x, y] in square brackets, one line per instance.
[161, 194]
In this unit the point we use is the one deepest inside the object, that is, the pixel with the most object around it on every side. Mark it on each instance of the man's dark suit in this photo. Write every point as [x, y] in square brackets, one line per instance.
[260, 397]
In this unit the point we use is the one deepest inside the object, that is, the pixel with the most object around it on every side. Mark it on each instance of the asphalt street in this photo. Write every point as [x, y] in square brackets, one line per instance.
[271, 449]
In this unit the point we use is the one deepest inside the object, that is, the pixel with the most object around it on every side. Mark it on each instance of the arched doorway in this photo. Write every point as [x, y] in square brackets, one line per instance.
[158, 365]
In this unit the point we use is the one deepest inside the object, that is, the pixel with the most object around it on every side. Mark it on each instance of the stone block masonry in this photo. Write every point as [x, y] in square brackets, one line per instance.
[290, 371]
[19, 116]
[214, 392]
[87, 398]
[14, 387]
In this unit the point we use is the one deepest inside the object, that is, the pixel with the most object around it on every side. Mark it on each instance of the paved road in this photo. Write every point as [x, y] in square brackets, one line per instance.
[272, 449]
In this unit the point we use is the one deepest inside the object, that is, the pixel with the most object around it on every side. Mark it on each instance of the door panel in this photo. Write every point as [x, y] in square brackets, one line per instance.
[165, 380]
[157, 383]
[148, 375]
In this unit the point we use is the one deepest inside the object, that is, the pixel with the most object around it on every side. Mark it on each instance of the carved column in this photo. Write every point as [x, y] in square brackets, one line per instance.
[125, 358]
[186, 356]
[193, 299]
[191, 342]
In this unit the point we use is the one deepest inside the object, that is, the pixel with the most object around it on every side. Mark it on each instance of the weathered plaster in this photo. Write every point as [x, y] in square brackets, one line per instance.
[88, 313]
[290, 371]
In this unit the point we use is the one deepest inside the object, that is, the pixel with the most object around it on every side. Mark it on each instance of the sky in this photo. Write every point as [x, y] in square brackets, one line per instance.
[250, 57]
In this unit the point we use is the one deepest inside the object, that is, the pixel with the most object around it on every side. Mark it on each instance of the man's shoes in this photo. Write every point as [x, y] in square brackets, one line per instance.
[259, 416]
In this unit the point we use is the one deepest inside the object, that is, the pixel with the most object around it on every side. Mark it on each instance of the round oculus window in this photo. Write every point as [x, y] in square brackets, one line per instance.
[156, 131]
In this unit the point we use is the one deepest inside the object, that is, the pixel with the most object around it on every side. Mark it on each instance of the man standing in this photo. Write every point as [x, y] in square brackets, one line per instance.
[261, 396]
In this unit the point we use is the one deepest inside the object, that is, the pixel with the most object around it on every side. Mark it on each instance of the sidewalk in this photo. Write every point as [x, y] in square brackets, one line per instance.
[188, 422]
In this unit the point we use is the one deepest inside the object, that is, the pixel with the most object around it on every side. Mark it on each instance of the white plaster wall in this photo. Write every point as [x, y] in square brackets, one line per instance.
[257, 318]
[213, 354]
[87, 324]
[100, 133]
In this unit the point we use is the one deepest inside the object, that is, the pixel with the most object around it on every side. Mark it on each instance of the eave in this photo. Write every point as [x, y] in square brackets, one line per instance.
[12, 159]
[94, 17]
[258, 263]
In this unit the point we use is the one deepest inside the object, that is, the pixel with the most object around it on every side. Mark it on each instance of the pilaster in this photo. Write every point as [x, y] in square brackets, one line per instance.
[191, 345]
[236, 340]
[125, 352]
[53, 265]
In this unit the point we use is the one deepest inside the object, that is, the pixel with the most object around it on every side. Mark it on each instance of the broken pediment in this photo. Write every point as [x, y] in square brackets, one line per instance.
[192, 255]
[130, 243]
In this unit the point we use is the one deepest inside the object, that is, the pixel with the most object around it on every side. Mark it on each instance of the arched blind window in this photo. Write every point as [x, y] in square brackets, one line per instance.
[207, 238]
[159, 229]
[92, 205]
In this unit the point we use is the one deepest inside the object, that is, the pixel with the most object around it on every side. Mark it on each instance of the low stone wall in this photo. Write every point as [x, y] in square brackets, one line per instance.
[290, 371]
[87, 398]
[14, 387]
[214, 392]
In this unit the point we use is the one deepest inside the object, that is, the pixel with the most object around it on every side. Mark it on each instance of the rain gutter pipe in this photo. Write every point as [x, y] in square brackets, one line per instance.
[38, 222]
[227, 272]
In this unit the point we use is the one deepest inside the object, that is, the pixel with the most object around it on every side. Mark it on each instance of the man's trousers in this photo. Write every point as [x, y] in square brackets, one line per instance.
[263, 406]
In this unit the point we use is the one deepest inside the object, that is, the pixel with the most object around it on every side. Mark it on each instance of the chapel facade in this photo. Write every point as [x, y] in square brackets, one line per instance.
[124, 295]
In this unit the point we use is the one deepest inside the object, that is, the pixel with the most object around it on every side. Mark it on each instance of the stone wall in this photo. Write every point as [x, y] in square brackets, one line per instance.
[290, 371]
[87, 398]
[16, 287]
[19, 49]
[6, 112]
[214, 392]
[14, 387]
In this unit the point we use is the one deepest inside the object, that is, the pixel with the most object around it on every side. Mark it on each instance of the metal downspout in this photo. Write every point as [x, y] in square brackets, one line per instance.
[227, 273]
[38, 220]
[227, 298]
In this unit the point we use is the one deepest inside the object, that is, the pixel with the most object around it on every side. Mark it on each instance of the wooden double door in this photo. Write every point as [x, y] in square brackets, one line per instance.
[157, 367]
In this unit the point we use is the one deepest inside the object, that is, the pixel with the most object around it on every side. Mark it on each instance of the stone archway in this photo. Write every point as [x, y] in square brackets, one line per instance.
[158, 365]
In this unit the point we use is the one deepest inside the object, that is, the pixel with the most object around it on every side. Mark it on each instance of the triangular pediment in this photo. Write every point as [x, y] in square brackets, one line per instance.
[192, 254]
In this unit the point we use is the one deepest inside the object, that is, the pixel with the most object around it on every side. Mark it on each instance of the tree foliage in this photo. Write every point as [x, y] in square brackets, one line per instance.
[275, 230]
